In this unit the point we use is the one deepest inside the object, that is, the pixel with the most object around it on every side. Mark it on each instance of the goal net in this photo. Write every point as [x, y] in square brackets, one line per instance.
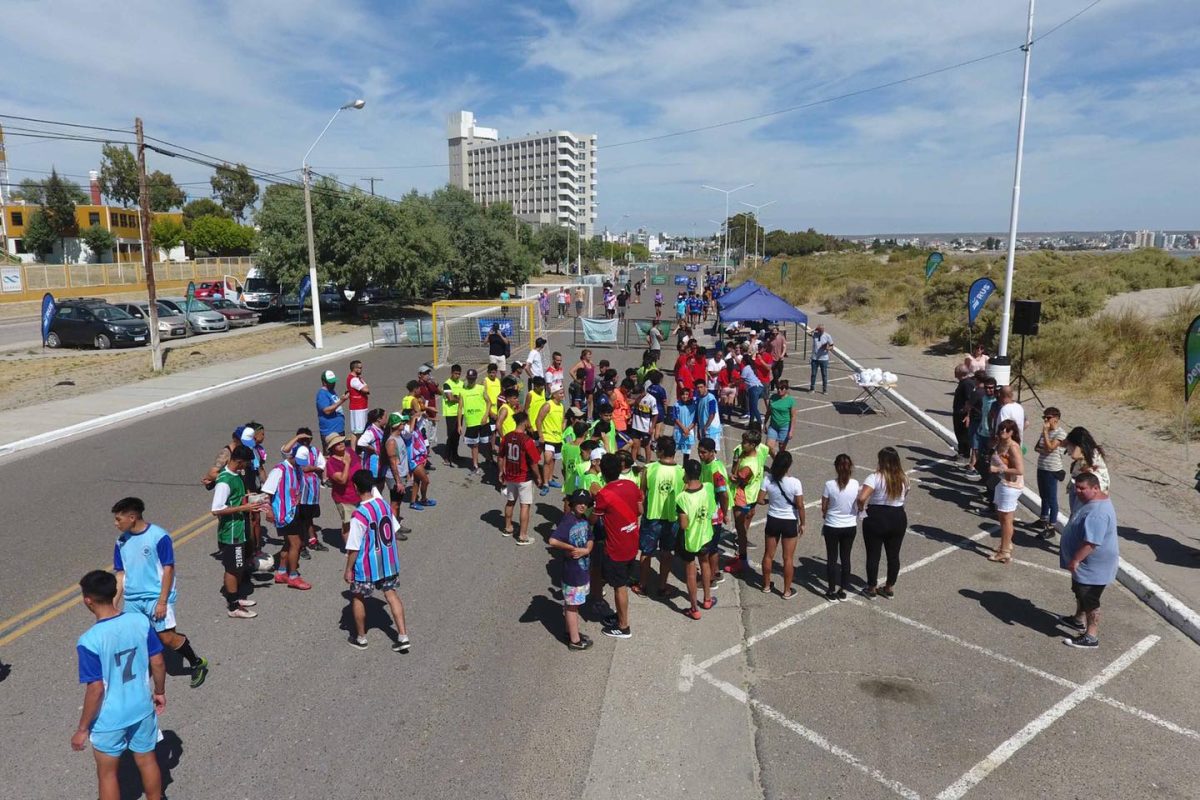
[461, 328]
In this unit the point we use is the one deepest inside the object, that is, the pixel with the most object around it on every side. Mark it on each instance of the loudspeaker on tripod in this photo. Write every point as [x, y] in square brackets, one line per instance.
[1026, 316]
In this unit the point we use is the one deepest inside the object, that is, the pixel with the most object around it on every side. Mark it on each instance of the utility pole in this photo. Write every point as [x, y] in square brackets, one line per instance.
[372, 182]
[156, 360]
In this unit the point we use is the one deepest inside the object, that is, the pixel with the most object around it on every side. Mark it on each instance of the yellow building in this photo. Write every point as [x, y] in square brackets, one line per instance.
[121, 222]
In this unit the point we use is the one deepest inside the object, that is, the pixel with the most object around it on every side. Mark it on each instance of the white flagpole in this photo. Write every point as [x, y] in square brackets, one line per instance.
[1002, 370]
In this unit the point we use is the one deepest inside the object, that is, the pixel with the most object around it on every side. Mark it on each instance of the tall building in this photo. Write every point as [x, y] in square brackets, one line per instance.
[549, 178]
[1143, 239]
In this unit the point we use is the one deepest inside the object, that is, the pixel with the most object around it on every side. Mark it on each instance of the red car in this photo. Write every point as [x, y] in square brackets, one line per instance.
[208, 291]
[237, 316]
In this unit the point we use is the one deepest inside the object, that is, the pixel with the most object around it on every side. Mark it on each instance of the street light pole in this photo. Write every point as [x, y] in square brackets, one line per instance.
[725, 249]
[757, 209]
[314, 288]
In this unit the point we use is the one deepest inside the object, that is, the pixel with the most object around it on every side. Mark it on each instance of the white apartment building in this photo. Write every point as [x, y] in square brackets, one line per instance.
[549, 178]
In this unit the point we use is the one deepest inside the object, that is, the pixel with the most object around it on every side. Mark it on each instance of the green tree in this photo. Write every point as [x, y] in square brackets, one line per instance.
[235, 189]
[33, 191]
[39, 236]
[167, 234]
[119, 175]
[58, 205]
[99, 240]
[203, 207]
[220, 236]
[550, 244]
[165, 194]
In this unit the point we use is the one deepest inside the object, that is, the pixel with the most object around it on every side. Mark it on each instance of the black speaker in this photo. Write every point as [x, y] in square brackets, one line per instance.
[1026, 316]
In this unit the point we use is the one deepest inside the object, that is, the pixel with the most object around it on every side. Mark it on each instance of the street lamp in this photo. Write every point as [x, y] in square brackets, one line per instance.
[314, 288]
[517, 220]
[756, 210]
[725, 249]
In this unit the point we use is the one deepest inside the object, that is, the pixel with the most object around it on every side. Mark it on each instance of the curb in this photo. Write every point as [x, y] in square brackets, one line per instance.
[1168, 606]
[92, 425]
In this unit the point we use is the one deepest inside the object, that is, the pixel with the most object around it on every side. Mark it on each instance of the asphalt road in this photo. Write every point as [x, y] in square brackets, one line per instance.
[943, 689]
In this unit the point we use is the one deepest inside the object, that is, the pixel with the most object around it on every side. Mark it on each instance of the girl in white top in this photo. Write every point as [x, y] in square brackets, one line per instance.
[839, 508]
[882, 496]
[783, 496]
[1008, 464]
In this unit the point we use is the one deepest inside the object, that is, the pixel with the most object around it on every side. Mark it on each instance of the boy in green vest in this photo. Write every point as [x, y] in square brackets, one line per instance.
[713, 472]
[229, 506]
[662, 480]
[694, 506]
[747, 481]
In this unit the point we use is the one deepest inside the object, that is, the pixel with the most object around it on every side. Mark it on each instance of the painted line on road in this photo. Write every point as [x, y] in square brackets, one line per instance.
[62, 601]
[850, 435]
[771, 631]
[1011, 746]
[809, 735]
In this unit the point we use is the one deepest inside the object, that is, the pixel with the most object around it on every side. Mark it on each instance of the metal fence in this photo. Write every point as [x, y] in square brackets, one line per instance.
[402, 332]
[36, 278]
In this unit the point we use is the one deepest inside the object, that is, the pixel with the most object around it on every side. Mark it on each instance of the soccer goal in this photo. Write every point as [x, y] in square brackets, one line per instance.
[461, 328]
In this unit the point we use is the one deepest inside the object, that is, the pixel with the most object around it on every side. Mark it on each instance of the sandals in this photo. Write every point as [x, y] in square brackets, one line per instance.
[709, 603]
[789, 594]
[1001, 556]
[692, 613]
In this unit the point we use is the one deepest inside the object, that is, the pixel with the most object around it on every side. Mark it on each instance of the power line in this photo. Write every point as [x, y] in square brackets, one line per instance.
[67, 124]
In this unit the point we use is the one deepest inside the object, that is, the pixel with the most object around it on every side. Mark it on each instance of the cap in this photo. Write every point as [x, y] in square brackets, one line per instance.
[472, 373]
[425, 369]
[247, 436]
[395, 419]
[302, 455]
[335, 439]
[329, 377]
[517, 363]
[572, 411]
[597, 454]
[580, 497]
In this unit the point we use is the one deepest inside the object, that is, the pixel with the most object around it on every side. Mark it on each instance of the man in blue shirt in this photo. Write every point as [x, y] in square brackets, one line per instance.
[1089, 551]
[118, 657]
[144, 560]
[330, 419]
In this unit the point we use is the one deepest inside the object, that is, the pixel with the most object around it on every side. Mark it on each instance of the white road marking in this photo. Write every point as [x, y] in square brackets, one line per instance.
[1011, 746]
[809, 735]
[849, 435]
[943, 552]
[769, 632]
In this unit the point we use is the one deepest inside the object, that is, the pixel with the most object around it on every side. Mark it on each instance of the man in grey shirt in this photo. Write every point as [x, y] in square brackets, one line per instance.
[822, 347]
[1089, 551]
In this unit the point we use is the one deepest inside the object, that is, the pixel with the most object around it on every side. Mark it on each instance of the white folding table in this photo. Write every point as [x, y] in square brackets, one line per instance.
[870, 395]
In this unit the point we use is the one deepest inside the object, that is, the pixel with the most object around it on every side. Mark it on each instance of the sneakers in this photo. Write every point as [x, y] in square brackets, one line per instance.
[830, 596]
[242, 613]
[199, 673]
[1082, 641]
[691, 613]
[247, 603]
[318, 545]
[296, 582]
[401, 645]
[307, 556]
[357, 642]
[870, 591]
[417, 505]
[543, 491]
[886, 591]
[555, 483]
[841, 596]
[583, 644]
[616, 633]
[734, 567]
[403, 529]
[1072, 623]
[429, 503]
[402, 536]
[718, 579]
[281, 576]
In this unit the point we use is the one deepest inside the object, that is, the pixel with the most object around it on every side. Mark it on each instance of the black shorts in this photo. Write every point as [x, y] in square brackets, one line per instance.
[641, 436]
[396, 494]
[1087, 595]
[294, 528]
[233, 557]
[782, 528]
[618, 573]
[598, 533]
[478, 434]
[310, 511]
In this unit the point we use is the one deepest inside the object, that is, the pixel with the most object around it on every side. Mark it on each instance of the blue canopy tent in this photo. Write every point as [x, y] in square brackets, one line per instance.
[737, 293]
[763, 304]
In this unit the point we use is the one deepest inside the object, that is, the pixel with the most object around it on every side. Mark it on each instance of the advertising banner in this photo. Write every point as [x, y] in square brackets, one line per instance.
[1191, 355]
[931, 264]
[485, 327]
[600, 331]
[49, 309]
[977, 296]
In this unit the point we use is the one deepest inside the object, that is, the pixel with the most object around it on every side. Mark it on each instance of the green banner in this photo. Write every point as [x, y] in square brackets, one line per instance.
[658, 280]
[1191, 359]
[931, 264]
[643, 328]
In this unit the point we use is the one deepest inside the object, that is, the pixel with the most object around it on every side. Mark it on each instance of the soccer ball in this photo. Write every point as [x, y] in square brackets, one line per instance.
[263, 563]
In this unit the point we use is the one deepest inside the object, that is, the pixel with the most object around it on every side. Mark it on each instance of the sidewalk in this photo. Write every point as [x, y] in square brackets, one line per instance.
[1156, 538]
[42, 423]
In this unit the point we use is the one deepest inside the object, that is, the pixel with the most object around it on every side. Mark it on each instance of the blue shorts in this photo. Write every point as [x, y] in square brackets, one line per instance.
[141, 737]
[145, 607]
[776, 435]
[657, 534]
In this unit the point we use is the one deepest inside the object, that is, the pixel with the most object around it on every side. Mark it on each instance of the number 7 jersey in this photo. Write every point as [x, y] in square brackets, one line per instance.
[117, 651]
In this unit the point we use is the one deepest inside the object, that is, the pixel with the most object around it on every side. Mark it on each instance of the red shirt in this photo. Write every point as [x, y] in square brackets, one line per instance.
[428, 392]
[618, 504]
[762, 367]
[520, 455]
[358, 400]
[699, 370]
[343, 492]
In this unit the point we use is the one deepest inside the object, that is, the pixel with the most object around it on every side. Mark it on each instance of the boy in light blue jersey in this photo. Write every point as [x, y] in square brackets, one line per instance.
[144, 560]
[118, 657]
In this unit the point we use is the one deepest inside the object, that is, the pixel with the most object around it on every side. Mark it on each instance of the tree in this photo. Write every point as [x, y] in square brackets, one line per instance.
[34, 191]
[99, 240]
[39, 237]
[220, 236]
[165, 194]
[58, 205]
[234, 189]
[119, 175]
[167, 234]
[203, 207]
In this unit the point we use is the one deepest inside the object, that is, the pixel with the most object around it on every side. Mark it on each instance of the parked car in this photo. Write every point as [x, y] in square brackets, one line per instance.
[237, 316]
[92, 321]
[171, 325]
[374, 294]
[200, 317]
[209, 289]
[330, 297]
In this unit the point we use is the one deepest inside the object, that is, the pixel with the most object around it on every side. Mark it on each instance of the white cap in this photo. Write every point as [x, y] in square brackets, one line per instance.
[597, 454]
[329, 376]
[248, 436]
[303, 456]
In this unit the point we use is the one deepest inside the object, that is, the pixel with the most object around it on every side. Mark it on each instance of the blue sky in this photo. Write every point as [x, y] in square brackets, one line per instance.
[1113, 134]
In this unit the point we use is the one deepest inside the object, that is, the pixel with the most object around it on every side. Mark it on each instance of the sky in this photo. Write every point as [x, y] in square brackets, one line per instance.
[1112, 139]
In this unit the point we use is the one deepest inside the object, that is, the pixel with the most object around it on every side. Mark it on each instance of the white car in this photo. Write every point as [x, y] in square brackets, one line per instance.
[171, 324]
[201, 318]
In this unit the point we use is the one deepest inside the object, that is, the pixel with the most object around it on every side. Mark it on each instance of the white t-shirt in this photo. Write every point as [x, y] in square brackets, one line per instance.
[272, 482]
[644, 412]
[356, 383]
[821, 343]
[1012, 411]
[534, 362]
[781, 499]
[842, 511]
[879, 491]
[713, 368]
[221, 494]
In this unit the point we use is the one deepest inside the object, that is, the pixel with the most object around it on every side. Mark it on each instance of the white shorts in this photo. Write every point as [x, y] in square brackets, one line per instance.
[519, 493]
[554, 448]
[499, 361]
[358, 420]
[1006, 498]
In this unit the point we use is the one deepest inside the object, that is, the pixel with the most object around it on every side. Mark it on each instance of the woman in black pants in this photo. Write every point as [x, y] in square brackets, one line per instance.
[839, 510]
[882, 496]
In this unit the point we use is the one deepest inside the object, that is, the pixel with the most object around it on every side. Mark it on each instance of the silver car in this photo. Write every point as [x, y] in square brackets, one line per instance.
[201, 318]
[171, 324]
